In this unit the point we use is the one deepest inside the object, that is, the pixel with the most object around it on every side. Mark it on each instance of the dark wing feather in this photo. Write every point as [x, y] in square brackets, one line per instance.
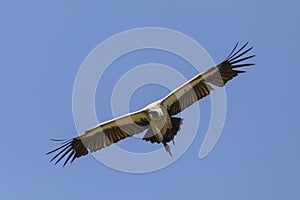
[168, 136]
[199, 86]
[102, 136]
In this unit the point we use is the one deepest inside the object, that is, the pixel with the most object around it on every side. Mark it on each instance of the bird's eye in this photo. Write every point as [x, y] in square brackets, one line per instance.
[154, 114]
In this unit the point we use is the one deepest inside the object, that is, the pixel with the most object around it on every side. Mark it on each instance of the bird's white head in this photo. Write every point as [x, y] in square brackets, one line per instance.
[156, 114]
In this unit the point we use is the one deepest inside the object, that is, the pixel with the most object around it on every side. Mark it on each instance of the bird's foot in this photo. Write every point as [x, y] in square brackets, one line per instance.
[167, 148]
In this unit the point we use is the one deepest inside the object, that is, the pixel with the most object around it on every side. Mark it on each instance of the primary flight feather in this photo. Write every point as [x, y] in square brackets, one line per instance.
[157, 118]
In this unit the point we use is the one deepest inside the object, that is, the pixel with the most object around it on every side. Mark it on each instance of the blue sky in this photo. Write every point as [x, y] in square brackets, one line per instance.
[43, 45]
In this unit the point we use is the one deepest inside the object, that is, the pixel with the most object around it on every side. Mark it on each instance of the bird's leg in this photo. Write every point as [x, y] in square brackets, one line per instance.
[158, 135]
[167, 148]
[173, 142]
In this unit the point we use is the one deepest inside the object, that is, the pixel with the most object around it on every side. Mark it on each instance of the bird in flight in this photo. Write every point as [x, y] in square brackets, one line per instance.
[158, 117]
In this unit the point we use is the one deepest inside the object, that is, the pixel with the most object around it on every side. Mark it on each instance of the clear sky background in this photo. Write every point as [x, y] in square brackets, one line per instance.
[43, 44]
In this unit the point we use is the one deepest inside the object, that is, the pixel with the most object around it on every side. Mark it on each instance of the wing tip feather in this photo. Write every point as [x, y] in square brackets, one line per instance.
[73, 147]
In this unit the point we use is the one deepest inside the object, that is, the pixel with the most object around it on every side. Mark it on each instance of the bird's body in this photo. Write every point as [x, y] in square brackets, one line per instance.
[160, 123]
[157, 118]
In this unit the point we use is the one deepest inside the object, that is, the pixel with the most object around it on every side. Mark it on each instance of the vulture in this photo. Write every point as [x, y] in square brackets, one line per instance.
[157, 119]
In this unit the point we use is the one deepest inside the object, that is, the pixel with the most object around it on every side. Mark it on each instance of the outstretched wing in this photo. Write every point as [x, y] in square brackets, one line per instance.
[102, 136]
[199, 86]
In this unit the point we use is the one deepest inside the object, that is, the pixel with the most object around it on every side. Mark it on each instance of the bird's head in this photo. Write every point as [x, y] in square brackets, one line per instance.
[156, 114]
